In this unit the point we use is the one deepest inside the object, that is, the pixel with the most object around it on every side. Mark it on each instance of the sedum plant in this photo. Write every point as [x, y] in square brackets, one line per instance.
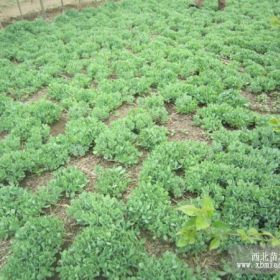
[67, 181]
[167, 267]
[111, 181]
[149, 207]
[17, 205]
[97, 210]
[150, 137]
[186, 104]
[34, 250]
[111, 253]
[81, 133]
[154, 105]
[116, 144]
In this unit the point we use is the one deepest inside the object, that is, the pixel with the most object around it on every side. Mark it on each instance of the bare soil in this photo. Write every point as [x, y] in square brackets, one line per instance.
[263, 104]
[88, 164]
[34, 181]
[210, 260]
[4, 251]
[9, 11]
[70, 226]
[182, 128]
[121, 112]
[59, 126]
[156, 247]
[133, 174]
[36, 96]
[2, 135]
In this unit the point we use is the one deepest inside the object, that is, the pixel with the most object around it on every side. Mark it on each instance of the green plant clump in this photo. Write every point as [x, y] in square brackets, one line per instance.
[97, 210]
[67, 181]
[34, 250]
[149, 207]
[186, 104]
[167, 267]
[111, 181]
[154, 55]
[102, 252]
[17, 205]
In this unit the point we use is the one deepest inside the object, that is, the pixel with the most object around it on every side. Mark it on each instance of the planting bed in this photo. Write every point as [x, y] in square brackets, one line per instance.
[112, 118]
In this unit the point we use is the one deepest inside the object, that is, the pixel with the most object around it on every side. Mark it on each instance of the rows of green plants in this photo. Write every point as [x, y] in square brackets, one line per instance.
[94, 72]
[18, 205]
[66, 48]
[118, 255]
[240, 170]
[117, 142]
[109, 245]
[30, 148]
[86, 64]
[34, 249]
[228, 170]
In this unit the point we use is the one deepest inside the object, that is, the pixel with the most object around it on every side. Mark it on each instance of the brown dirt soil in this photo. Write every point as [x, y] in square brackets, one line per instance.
[9, 11]
[269, 105]
[119, 113]
[210, 260]
[182, 128]
[60, 210]
[133, 174]
[155, 247]
[3, 135]
[36, 96]
[34, 181]
[71, 228]
[59, 126]
[4, 251]
[186, 196]
[88, 164]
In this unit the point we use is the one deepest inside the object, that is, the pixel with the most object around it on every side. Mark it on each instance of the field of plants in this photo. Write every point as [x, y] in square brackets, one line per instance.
[135, 137]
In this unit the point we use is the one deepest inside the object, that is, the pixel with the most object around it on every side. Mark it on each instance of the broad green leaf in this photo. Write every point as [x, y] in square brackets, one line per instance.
[253, 232]
[191, 237]
[242, 234]
[207, 203]
[190, 224]
[275, 242]
[190, 210]
[182, 242]
[214, 244]
[188, 238]
[202, 222]
[267, 233]
[220, 225]
[274, 121]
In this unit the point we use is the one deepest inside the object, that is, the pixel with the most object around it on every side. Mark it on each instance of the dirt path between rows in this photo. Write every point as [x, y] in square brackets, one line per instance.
[9, 11]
